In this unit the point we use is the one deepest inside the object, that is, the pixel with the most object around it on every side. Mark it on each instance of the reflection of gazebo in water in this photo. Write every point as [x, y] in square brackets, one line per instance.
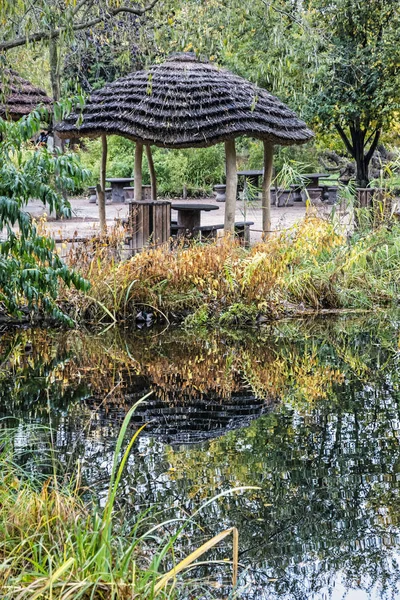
[190, 421]
[188, 103]
[19, 97]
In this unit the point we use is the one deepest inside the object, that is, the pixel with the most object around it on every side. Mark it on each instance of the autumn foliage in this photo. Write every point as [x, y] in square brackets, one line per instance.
[310, 266]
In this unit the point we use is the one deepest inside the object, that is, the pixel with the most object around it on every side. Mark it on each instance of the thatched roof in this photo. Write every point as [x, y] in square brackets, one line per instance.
[192, 420]
[186, 103]
[18, 97]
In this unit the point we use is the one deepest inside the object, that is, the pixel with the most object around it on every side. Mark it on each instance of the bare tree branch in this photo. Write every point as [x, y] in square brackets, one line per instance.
[51, 34]
[80, 5]
[373, 146]
[345, 139]
[135, 11]
[372, 134]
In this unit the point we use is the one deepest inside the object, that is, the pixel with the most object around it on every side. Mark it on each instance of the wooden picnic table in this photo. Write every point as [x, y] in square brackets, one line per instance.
[117, 188]
[252, 176]
[189, 214]
[313, 179]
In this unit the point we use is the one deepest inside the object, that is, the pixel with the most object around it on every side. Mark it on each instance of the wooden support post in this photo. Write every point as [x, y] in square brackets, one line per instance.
[138, 172]
[101, 189]
[153, 178]
[266, 188]
[231, 187]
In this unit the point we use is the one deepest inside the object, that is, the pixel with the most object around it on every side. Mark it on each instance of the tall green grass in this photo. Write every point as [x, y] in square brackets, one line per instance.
[54, 546]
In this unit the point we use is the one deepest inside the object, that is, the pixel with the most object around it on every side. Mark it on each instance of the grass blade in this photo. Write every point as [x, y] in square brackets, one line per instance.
[193, 556]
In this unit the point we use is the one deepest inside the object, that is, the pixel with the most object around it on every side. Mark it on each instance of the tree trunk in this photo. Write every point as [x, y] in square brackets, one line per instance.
[101, 189]
[356, 146]
[231, 187]
[153, 178]
[266, 188]
[362, 170]
[138, 171]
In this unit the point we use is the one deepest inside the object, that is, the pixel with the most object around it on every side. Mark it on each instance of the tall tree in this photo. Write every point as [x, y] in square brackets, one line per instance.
[357, 89]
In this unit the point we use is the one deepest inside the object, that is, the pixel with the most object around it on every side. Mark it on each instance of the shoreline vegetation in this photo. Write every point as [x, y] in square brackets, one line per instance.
[54, 544]
[313, 267]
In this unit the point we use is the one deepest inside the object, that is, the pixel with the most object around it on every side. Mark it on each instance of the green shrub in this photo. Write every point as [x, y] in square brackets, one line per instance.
[206, 166]
[171, 171]
[239, 314]
[196, 169]
[120, 157]
[30, 268]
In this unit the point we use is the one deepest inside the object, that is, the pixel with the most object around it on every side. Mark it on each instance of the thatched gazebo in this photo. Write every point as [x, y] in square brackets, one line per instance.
[189, 103]
[19, 97]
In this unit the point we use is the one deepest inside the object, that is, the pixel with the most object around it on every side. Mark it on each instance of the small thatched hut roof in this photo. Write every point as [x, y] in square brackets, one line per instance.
[185, 102]
[18, 97]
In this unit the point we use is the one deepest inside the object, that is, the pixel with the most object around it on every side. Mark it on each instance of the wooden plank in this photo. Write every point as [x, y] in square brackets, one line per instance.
[131, 227]
[147, 225]
[137, 227]
[162, 223]
[158, 224]
[137, 231]
[166, 224]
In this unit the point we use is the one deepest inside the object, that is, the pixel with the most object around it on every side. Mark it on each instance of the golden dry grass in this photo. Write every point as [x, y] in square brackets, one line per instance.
[311, 265]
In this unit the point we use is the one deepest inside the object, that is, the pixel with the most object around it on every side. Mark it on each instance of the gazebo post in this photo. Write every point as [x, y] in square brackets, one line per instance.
[153, 178]
[138, 171]
[266, 188]
[231, 187]
[101, 188]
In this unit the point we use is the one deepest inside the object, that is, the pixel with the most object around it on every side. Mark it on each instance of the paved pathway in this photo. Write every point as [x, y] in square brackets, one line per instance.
[85, 221]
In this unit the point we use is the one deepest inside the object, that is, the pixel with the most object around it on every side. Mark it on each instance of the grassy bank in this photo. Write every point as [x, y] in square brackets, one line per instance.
[310, 266]
[56, 546]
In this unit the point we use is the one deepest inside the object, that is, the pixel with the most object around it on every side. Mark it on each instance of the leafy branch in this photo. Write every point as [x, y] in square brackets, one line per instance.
[51, 34]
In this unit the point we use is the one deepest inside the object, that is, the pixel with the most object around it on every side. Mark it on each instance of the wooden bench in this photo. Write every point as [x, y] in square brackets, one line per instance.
[92, 194]
[129, 192]
[242, 231]
[208, 232]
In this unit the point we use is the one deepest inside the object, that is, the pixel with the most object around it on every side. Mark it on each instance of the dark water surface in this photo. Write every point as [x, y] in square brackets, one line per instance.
[308, 411]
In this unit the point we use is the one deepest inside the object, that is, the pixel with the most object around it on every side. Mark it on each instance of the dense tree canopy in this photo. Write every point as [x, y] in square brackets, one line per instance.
[357, 88]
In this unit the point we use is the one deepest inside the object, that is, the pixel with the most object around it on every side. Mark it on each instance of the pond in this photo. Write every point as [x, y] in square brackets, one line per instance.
[305, 410]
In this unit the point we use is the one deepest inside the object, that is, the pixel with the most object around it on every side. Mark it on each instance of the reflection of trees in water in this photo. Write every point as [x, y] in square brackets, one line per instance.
[327, 459]
[331, 478]
[178, 365]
